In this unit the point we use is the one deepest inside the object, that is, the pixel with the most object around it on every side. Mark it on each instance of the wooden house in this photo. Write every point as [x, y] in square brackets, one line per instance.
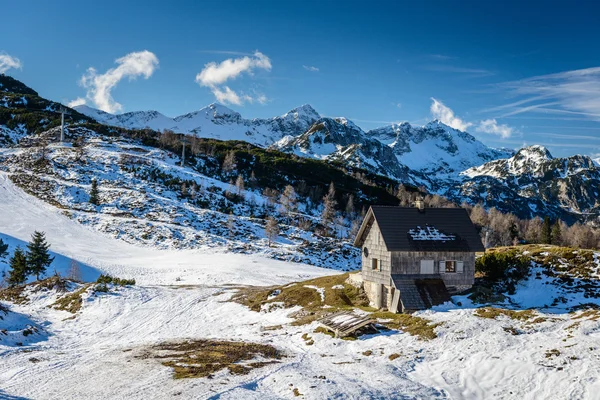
[415, 257]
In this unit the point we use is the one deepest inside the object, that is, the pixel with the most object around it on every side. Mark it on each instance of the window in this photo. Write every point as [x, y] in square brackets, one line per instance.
[427, 266]
[374, 263]
[451, 266]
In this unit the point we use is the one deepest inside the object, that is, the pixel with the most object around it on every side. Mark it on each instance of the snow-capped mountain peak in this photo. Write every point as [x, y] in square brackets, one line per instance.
[534, 153]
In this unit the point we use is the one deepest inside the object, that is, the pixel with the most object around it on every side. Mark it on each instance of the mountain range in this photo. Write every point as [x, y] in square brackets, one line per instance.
[449, 162]
[444, 160]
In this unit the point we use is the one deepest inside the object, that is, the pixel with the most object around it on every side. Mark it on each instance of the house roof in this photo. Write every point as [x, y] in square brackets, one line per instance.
[432, 229]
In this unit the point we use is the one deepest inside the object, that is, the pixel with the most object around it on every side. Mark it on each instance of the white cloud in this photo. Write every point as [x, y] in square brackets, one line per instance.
[99, 86]
[7, 62]
[226, 96]
[575, 92]
[215, 75]
[77, 102]
[491, 126]
[399, 105]
[445, 115]
[310, 68]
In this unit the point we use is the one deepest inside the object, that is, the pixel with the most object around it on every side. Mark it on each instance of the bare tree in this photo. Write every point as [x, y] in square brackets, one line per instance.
[231, 225]
[329, 204]
[239, 185]
[230, 162]
[288, 200]
[74, 273]
[271, 230]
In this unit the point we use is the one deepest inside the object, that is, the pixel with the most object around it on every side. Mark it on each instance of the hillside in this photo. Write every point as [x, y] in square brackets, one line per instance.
[539, 341]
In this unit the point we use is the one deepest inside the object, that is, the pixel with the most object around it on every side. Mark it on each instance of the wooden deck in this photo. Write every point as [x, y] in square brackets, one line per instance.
[345, 323]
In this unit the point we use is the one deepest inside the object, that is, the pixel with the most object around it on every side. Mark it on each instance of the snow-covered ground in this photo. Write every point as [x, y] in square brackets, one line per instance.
[93, 355]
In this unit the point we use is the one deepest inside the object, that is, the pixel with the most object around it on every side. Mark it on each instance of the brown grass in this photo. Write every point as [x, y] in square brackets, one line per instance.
[71, 302]
[529, 316]
[202, 358]
[416, 326]
[393, 356]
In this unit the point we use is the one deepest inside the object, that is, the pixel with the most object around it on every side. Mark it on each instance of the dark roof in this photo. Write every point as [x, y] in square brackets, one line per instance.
[419, 293]
[432, 229]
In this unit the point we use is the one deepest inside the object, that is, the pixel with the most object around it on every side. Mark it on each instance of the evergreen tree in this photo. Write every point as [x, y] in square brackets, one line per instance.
[38, 257]
[556, 234]
[3, 249]
[18, 268]
[94, 193]
[546, 234]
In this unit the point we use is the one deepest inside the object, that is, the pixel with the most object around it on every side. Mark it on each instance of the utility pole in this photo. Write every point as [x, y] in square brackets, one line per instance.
[62, 112]
[184, 141]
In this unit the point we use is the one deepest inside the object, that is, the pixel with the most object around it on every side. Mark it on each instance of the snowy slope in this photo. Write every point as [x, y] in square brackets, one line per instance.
[214, 121]
[553, 355]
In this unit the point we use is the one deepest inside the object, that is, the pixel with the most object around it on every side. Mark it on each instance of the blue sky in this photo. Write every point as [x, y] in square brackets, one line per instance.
[511, 73]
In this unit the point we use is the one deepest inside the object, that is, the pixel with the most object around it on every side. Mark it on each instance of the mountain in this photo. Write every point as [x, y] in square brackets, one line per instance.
[533, 182]
[445, 161]
[340, 140]
[436, 149]
[214, 121]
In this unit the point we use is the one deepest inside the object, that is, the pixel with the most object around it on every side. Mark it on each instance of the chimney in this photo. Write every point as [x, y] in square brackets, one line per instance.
[420, 204]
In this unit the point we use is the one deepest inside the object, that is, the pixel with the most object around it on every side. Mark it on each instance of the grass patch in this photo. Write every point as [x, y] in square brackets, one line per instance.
[393, 356]
[367, 353]
[14, 295]
[71, 302]
[413, 325]
[202, 358]
[529, 316]
[344, 296]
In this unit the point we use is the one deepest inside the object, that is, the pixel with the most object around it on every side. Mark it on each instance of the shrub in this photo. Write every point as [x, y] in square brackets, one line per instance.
[107, 279]
[496, 266]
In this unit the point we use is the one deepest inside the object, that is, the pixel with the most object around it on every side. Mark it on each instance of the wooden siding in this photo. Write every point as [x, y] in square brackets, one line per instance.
[403, 262]
[374, 242]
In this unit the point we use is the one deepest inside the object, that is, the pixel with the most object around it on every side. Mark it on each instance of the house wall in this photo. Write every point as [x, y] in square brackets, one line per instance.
[403, 262]
[376, 282]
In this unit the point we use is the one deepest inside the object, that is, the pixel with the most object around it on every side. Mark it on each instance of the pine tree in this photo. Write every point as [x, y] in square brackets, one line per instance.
[38, 257]
[271, 230]
[546, 234]
[556, 234]
[18, 268]
[94, 193]
[3, 249]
